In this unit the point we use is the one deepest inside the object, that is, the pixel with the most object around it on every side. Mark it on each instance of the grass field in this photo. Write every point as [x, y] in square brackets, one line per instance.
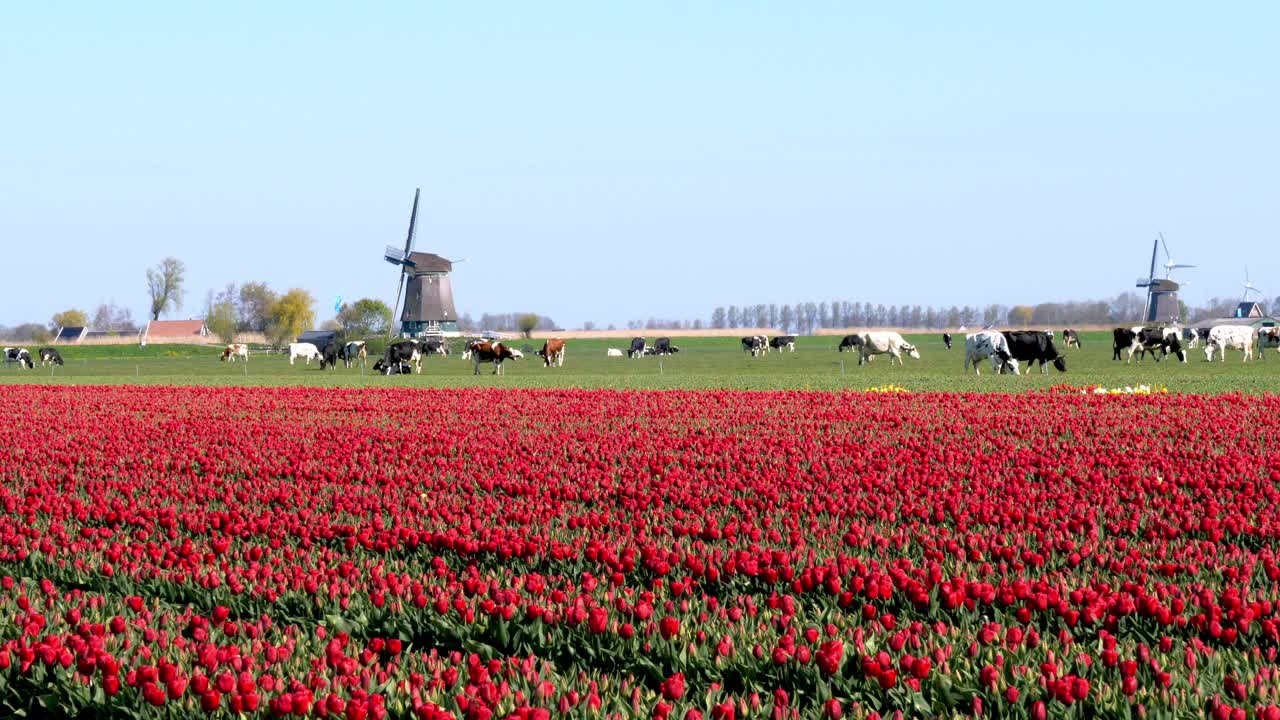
[702, 363]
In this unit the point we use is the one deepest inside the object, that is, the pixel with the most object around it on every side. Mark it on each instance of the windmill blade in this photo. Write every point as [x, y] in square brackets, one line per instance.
[413, 223]
[391, 331]
[1154, 247]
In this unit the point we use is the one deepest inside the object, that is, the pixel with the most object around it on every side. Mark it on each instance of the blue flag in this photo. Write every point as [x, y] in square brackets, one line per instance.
[337, 305]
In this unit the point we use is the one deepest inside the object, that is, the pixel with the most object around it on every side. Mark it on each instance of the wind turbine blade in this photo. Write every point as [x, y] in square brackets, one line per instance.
[1162, 243]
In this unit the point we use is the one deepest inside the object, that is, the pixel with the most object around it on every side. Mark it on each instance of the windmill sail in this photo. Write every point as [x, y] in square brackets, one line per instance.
[404, 256]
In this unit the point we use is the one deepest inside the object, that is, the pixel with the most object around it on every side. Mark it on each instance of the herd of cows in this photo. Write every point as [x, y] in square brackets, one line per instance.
[1009, 351]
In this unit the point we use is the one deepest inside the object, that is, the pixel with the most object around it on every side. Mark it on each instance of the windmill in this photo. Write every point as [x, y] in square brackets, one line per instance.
[1162, 293]
[428, 300]
[1248, 286]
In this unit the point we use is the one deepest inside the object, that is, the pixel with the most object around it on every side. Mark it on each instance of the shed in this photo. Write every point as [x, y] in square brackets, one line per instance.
[175, 331]
[319, 338]
[70, 334]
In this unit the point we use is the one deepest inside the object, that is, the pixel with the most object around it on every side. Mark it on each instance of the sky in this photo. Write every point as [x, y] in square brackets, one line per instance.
[613, 161]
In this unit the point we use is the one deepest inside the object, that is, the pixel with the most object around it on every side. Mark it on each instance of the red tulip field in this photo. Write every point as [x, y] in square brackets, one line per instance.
[305, 552]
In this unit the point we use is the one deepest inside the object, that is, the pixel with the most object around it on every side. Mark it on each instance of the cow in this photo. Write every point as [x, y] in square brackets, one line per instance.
[1268, 337]
[779, 342]
[1192, 337]
[1034, 346]
[1071, 339]
[50, 356]
[886, 341]
[1150, 339]
[19, 355]
[637, 348]
[493, 352]
[850, 343]
[306, 351]
[353, 352]
[988, 344]
[1237, 337]
[663, 346]
[233, 351]
[946, 339]
[400, 368]
[434, 346]
[329, 356]
[552, 352]
[755, 344]
[402, 351]
[614, 352]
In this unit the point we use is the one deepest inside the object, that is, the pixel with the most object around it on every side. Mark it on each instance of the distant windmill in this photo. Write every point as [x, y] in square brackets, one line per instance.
[428, 303]
[1162, 293]
[1248, 286]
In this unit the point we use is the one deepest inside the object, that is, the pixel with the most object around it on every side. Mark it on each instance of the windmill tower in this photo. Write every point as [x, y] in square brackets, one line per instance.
[1162, 292]
[428, 302]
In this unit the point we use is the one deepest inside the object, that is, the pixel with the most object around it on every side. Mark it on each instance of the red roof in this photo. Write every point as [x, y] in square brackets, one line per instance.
[176, 329]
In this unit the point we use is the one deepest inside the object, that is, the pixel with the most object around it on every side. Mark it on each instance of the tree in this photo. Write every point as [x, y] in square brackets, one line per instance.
[1021, 315]
[254, 306]
[289, 316]
[364, 317]
[222, 322]
[164, 283]
[68, 318]
[733, 317]
[718, 318]
[526, 323]
[786, 317]
[110, 317]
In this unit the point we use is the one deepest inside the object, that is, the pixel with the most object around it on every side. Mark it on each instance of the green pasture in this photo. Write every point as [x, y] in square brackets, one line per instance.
[704, 362]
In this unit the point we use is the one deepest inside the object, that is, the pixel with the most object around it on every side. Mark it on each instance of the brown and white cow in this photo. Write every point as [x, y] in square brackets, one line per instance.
[552, 352]
[492, 352]
[234, 351]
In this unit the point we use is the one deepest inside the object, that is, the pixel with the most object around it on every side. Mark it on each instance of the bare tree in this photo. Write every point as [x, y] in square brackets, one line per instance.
[164, 283]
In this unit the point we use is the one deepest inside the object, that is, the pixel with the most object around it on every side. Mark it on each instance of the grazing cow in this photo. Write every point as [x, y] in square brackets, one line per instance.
[50, 356]
[434, 346]
[1071, 339]
[233, 351]
[1150, 339]
[1268, 337]
[988, 344]
[306, 351]
[1034, 346]
[663, 346]
[637, 348]
[946, 339]
[20, 356]
[783, 341]
[887, 341]
[850, 343]
[614, 352]
[755, 344]
[329, 356]
[493, 352]
[1237, 337]
[403, 351]
[353, 352]
[552, 352]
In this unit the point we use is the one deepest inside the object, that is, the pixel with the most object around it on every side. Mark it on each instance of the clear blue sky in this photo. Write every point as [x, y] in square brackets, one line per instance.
[607, 161]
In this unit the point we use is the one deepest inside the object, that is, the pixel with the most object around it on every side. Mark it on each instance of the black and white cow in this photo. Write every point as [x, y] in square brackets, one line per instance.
[637, 348]
[1071, 339]
[1151, 339]
[329, 356]
[663, 346]
[402, 368]
[1193, 337]
[988, 344]
[1034, 346]
[20, 356]
[755, 344]
[850, 343]
[946, 339]
[783, 342]
[50, 356]
[434, 346]
[403, 351]
[353, 352]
